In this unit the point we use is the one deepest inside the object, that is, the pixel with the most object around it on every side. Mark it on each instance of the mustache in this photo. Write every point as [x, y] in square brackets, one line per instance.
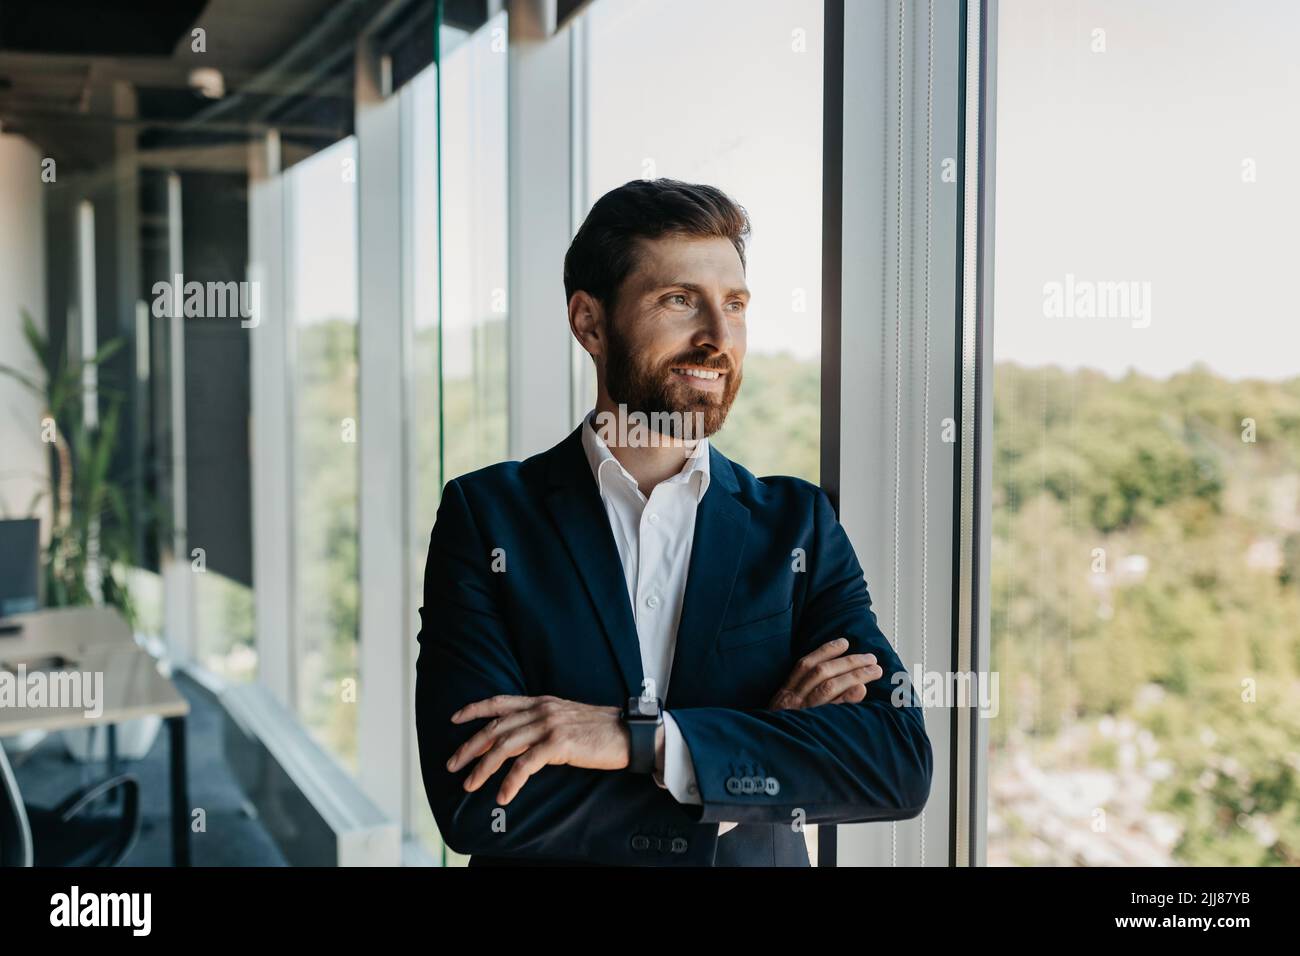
[702, 359]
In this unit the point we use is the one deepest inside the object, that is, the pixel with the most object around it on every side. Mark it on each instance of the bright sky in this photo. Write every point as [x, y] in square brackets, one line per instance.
[1117, 166]
[719, 92]
[1127, 165]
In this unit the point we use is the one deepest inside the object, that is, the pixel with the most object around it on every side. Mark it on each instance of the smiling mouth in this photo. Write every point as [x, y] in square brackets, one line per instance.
[700, 374]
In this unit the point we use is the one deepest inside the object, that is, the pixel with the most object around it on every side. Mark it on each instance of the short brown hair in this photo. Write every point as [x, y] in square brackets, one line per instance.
[603, 253]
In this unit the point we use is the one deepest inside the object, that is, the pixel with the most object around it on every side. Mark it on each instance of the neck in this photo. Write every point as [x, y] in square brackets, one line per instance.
[648, 462]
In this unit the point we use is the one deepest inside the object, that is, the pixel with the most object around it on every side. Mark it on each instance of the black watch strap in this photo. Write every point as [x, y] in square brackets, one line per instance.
[643, 717]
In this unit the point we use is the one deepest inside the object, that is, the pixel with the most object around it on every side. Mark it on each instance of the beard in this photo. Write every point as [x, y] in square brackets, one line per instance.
[654, 389]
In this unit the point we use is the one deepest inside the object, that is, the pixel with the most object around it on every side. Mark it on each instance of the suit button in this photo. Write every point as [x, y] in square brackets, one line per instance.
[640, 843]
[748, 785]
[733, 785]
[771, 787]
[679, 844]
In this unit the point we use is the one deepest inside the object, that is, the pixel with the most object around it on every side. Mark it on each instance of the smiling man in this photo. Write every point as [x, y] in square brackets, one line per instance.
[633, 651]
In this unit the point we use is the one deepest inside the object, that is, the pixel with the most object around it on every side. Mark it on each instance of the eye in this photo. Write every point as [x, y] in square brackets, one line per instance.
[678, 295]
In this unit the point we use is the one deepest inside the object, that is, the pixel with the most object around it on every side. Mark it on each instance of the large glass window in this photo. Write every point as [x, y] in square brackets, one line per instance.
[322, 284]
[421, 276]
[1146, 445]
[734, 101]
[454, 239]
[474, 190]
[223, 623]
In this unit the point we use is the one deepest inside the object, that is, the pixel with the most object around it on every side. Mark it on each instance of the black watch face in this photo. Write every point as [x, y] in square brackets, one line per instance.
[639, 707]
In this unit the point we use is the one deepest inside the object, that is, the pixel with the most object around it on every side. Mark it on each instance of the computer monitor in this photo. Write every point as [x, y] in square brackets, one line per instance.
[20, 565]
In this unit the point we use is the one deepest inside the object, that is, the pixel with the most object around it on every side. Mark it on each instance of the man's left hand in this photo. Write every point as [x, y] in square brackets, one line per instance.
[538, 731]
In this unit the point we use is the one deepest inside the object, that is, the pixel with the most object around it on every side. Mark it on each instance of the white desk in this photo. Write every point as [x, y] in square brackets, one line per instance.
[98, 641]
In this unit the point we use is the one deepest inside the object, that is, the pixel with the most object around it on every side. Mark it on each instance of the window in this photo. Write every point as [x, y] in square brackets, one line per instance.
[321, 219]
[456, 288]
[1146, 440]
[474, 190]
[662, 101]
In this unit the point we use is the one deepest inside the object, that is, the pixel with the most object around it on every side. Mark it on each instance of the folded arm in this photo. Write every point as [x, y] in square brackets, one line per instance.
[833, 763]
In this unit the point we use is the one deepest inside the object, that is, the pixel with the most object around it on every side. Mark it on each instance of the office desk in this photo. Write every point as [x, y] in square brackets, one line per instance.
[99, 641]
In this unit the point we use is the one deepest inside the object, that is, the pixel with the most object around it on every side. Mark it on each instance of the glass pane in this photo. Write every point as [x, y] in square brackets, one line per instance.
[420, 250]
[322, 265]
[223, 622]
[1146, 510]
[473, 163]
[668, 102]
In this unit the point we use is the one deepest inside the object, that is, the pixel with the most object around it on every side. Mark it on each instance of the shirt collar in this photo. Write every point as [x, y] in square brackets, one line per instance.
[604, 463]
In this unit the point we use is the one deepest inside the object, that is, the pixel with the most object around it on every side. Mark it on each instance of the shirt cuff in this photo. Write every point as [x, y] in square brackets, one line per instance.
[679, 769]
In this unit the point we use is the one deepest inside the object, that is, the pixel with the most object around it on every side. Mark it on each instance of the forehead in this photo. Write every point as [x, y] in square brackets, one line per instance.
[703, 260]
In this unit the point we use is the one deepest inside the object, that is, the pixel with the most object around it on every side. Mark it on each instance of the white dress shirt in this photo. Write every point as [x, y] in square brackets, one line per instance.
[654, 537]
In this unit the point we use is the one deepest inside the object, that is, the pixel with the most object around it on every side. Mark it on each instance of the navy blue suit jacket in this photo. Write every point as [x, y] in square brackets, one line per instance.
[557, 620]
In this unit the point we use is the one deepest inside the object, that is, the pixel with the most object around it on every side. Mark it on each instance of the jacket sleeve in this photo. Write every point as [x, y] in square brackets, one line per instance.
[836, 763]
[562, 813]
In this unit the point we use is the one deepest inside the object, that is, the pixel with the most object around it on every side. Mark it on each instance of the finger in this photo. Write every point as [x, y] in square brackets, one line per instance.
[854, 695]
[487, 735]
[796, 683]
[827, 670]
[511, 745]
[826, 692]
[533, 760]
[493, 707]
[823, 653]
[809, 661]
[829, 689]
[833, 688]
[784, 700]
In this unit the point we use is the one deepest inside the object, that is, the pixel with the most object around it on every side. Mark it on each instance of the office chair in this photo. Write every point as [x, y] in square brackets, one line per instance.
[66, 835]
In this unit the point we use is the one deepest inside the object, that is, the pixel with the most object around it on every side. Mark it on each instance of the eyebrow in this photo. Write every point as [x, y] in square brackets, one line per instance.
[664, 284]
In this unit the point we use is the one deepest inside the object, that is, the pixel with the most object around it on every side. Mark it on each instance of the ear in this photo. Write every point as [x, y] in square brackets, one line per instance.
[587, 321]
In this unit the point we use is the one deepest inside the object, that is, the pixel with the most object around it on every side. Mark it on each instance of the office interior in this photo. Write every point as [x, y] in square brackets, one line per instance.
[272, 274]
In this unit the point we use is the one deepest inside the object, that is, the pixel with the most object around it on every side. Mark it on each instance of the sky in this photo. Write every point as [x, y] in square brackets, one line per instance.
[1127, 166]
[1155, 154]
[725, 92]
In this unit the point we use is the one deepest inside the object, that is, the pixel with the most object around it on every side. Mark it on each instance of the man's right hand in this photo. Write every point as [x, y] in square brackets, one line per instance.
[824, 677]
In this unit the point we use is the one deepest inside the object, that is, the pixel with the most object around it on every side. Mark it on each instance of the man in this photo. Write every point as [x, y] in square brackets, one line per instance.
[632, 650]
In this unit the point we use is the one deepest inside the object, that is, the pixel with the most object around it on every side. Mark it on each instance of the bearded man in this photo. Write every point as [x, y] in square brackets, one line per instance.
[632, 650]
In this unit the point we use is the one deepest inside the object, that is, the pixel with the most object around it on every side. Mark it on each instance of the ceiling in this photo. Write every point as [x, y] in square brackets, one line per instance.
[84, 79]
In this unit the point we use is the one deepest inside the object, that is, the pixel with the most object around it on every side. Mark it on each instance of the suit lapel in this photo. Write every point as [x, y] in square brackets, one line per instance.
[721, 525]
[579, 515]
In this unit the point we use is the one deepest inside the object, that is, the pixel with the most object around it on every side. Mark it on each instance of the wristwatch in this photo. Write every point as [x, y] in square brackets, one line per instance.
[643, 715]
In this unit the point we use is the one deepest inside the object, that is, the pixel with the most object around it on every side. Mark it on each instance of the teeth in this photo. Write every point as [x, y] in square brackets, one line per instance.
[698, 373]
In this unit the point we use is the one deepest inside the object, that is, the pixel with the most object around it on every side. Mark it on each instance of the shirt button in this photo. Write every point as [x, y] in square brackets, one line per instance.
[652, 601]
[654, 519]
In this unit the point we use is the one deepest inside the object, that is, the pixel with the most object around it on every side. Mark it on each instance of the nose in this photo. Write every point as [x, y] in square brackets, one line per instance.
[714, 330]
